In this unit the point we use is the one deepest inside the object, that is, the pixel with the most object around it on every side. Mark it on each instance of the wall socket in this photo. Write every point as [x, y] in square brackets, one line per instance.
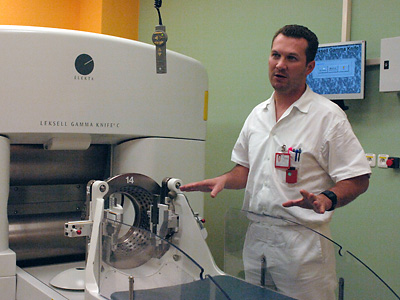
[382, 159]
[371, 159]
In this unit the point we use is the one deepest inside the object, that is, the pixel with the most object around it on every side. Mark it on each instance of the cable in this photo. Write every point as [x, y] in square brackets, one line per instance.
[157, 5]
[340, 251]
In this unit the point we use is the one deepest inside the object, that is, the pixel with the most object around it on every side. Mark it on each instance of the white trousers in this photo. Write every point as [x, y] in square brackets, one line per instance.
[298, 262]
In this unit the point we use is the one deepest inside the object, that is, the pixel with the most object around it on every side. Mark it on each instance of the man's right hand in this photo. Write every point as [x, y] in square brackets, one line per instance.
[234, 179]
[214, 186]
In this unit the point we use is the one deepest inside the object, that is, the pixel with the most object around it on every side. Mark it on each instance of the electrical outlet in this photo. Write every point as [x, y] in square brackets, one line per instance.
[371, 159]
[382, 159]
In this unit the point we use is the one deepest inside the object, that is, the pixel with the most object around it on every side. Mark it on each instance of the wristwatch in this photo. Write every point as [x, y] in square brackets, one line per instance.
[332, 196]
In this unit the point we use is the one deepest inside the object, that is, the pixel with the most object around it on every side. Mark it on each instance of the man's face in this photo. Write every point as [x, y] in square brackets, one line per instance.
[288, 67]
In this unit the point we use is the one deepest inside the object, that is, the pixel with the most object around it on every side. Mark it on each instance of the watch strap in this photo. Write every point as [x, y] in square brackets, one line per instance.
[332, 196]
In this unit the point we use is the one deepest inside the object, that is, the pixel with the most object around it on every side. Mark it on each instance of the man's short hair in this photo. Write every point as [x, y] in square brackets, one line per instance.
[299, 31]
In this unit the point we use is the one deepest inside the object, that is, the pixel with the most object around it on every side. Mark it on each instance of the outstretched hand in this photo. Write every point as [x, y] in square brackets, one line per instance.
[234, 179]
[318, 203]
[214, 186]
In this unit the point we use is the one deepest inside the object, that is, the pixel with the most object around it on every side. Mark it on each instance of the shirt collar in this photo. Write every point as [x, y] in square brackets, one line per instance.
[302, 104]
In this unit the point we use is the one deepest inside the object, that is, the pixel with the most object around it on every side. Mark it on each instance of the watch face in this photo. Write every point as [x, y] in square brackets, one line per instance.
[84, 64]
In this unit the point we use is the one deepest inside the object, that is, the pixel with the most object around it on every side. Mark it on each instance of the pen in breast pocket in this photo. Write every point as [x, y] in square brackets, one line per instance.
[297, 153]
[297, 156]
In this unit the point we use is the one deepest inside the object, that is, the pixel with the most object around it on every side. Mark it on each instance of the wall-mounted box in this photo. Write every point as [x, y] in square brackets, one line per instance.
[390, 65]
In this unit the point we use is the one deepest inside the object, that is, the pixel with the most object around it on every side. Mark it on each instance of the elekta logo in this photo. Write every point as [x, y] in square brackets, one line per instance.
[84, 65]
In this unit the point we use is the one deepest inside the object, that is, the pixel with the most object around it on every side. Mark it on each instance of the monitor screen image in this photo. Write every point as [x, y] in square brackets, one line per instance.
[339, 71]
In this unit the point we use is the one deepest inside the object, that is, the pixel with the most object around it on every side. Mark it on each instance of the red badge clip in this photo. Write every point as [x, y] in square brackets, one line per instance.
[291, 175]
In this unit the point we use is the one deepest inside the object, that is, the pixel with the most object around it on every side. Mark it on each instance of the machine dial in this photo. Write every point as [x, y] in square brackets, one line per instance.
[84, 64]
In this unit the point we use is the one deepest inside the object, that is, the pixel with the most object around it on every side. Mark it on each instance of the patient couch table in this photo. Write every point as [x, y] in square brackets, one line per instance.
[236, 289]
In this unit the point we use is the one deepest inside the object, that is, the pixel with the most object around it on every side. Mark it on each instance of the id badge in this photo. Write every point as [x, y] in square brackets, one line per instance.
[282, 160]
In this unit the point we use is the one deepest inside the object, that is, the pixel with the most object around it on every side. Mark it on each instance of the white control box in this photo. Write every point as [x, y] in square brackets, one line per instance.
[390, 65]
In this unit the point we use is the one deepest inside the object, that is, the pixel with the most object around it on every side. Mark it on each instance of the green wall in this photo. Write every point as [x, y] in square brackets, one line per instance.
[232, 39]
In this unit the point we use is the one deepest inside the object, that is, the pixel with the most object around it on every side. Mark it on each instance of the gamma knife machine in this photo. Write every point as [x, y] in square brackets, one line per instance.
[78, 106]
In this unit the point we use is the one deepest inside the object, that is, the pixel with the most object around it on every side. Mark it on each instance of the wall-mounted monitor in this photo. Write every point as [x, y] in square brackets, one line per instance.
[339, 71]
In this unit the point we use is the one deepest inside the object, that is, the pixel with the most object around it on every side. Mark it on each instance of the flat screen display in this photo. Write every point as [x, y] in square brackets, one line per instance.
[339, 71]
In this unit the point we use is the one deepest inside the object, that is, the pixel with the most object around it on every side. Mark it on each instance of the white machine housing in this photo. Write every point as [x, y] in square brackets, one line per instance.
[154, 122]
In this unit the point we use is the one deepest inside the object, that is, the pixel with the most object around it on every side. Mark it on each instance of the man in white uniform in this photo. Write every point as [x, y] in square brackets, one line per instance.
[296, 143]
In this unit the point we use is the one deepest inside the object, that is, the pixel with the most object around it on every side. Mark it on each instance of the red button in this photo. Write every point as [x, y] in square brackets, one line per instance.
[389, 162]
[78, 232]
